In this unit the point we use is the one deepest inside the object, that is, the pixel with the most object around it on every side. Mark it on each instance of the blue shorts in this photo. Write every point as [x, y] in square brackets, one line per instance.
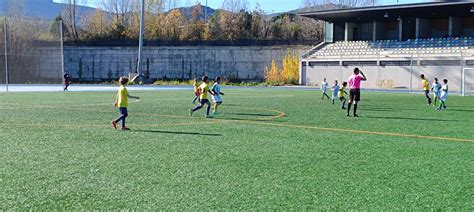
[123, 111]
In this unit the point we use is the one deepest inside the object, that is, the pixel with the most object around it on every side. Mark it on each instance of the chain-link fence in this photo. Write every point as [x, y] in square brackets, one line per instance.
[31, 51]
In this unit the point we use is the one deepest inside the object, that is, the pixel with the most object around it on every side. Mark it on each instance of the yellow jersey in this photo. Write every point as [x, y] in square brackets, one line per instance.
[425, 84]
[122, 97]
[204, 88]
[341, 92]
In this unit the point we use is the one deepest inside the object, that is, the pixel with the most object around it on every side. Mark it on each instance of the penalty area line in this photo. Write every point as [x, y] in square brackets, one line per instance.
[356, 131]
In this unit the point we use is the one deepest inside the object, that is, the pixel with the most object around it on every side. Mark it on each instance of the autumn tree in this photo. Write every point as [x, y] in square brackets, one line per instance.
[196, 27]
[97, 24]
[259, 25]
[173, 24]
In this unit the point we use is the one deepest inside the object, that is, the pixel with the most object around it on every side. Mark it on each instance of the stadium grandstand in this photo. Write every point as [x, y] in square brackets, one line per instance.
[395, 44]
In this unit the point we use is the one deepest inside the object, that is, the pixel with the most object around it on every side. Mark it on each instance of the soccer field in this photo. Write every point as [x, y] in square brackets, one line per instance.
[268, 149]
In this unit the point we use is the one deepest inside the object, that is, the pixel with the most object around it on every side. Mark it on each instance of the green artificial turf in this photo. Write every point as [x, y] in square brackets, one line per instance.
[58, 151]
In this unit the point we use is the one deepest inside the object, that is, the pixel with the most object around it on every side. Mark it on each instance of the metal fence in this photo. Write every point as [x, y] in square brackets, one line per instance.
[31, 51]
[392, 71]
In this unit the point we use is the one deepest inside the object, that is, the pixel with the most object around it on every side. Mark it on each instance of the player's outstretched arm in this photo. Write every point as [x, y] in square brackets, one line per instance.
[133, 97]
[211, 92]
[364, 78]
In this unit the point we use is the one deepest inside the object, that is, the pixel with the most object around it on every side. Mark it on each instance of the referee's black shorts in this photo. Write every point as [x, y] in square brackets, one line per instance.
[354, 95]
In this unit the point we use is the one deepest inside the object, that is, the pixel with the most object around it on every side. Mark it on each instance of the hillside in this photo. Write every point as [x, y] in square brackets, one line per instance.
[43, 9]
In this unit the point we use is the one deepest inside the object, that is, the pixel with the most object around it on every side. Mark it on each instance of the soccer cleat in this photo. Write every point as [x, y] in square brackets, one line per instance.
[344, 108]
[125, 128]
[348, 115]
[190, 112]
[114, 124]
[355, 115]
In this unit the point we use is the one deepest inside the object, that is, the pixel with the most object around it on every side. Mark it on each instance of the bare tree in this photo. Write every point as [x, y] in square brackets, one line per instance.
[170, 4]
[235, 5]
[121, 14]
[14, 8]
[121, 10]
[72, 16]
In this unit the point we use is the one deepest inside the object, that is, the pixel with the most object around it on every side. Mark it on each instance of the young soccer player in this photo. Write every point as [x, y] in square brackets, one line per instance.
[436, 88]
[426, 88]
[324, 88]
[335, 91]
[341, 93]
[203, 89]
[216, 98]
[354, 90]
[444, 95]
[121, 101]
[196, 91]
[67, 81]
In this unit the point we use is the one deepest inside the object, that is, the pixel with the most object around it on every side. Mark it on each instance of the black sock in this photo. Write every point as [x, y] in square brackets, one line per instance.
[355, 109]
[208, 109]
[197, 108]
[349, 108]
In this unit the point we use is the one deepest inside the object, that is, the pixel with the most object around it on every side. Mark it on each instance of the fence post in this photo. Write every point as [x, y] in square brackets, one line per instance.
[462, 76]
[62, 47]
[6, 52]
[411, 73]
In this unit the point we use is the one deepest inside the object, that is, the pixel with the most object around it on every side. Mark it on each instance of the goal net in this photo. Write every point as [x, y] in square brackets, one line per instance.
[30, 51]
[468, 82]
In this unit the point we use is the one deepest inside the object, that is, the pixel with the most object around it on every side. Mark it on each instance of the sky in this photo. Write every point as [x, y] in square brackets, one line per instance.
[269, 6]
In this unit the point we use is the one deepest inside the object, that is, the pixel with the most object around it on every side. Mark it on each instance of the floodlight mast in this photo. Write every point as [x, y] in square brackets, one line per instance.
[140, 43]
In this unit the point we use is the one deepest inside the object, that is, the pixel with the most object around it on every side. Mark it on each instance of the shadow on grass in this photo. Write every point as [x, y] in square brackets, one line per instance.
[251, 114]
[176, 133]
[461, 110]
[372, 108]
[410, 119]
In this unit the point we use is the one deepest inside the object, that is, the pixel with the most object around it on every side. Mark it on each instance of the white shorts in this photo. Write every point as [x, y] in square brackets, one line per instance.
[335, 97]
[436, 94]
[444, 96]
[217, 99]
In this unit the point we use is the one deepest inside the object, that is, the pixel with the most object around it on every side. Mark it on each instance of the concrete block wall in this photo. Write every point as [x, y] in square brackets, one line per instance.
[102, 63]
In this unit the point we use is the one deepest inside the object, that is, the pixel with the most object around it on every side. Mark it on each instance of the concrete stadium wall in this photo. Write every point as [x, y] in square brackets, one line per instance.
[246, 63]
[388, 76]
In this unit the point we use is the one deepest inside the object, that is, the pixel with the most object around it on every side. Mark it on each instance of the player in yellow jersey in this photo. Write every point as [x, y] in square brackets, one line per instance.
[121, 102]
[340, 94]
[203, 89]
[426, 88]
[196, 91]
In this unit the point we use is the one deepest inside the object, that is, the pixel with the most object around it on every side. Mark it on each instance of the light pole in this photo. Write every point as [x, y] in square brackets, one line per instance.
[140, 42]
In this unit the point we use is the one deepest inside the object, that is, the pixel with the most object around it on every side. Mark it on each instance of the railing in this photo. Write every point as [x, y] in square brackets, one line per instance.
[314, 49]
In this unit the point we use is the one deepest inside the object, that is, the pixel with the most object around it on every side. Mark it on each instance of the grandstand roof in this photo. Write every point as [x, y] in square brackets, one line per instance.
[377, 13]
